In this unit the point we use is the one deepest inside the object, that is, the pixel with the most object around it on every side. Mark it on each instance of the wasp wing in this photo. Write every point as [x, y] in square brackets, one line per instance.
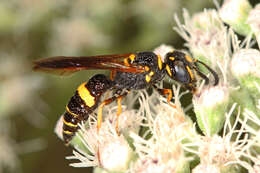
[63, 65]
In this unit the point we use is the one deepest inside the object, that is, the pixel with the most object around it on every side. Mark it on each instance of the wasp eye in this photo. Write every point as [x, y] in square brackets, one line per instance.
[181, 74]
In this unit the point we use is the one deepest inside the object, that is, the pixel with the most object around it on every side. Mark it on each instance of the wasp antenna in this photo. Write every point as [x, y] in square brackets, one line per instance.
[215, 75]
[202, 75]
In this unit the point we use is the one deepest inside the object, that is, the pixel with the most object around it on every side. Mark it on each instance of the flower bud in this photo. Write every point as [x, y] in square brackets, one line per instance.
[245, 66]
[206, 36]
[235, 13]
[210, 107]
[115, 154]
[58, 127]
[254, 22]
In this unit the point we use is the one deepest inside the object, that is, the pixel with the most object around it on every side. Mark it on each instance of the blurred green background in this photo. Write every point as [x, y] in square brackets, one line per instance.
[31, 103]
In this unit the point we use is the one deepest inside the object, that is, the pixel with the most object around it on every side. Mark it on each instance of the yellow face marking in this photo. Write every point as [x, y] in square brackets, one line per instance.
[159, 62]
[190, 72]
[147, 78]
[71, 113]
[168, 70]
[151, 73]
[146, 68]
[67, 132]
[126, 62]
[172, 58]
[132, 57]
[69, 123]
[85, 95]
[188, 58]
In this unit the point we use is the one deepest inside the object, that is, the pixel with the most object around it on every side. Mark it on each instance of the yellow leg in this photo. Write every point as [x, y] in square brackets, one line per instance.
[106, 102]
[169, 93]
[112, 74]
[166, 92]
[99, 118]
[119, 111]
[100, 109]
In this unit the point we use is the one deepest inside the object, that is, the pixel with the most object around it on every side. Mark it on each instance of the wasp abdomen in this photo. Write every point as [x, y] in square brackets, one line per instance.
[70, 126]
[83, 103]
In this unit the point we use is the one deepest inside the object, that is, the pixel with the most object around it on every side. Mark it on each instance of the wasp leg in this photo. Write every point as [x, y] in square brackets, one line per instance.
[119, 110]
[191, 87]
[112, 75]
[166, 92]
[106, 102]
[100, 109]
[202, 75]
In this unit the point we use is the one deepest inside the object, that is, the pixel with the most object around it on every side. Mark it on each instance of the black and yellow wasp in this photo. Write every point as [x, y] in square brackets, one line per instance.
[131, 71]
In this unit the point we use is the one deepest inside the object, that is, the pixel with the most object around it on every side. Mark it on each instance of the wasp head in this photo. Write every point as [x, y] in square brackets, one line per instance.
[179, 68]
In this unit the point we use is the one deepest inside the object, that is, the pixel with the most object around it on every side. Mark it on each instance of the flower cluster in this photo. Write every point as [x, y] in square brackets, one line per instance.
[224, 137]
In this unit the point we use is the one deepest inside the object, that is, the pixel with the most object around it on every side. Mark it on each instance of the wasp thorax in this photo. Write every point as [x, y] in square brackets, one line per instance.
[147, 60]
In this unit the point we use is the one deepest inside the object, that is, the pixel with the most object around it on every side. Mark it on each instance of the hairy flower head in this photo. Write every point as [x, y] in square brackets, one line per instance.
[105, 149]
[246, 62]
[168, 127]
[235, 13]
[210, 105]
[254, 22]
[206, 36]
[227, 152]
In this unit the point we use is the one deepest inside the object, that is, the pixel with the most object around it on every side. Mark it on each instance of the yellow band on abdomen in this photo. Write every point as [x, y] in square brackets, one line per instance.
[69, 123]
[85, 95]
[67, 132]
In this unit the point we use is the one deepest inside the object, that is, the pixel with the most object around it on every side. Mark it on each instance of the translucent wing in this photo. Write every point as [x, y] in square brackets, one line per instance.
[63, 65]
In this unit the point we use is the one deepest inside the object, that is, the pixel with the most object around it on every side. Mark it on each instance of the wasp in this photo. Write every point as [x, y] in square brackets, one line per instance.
[133, 71]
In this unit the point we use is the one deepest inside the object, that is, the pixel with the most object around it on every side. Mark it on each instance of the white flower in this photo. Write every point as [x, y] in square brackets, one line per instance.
[246, 61]
[104, 149]
[115, 154]
[169, 126]
[210, 97]
[254, 22]
[206, 36]
[233, 10]
[226, 152]
[210, 105]
[235, 13]
[162, 50]
[58, 127]
[129, 120]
